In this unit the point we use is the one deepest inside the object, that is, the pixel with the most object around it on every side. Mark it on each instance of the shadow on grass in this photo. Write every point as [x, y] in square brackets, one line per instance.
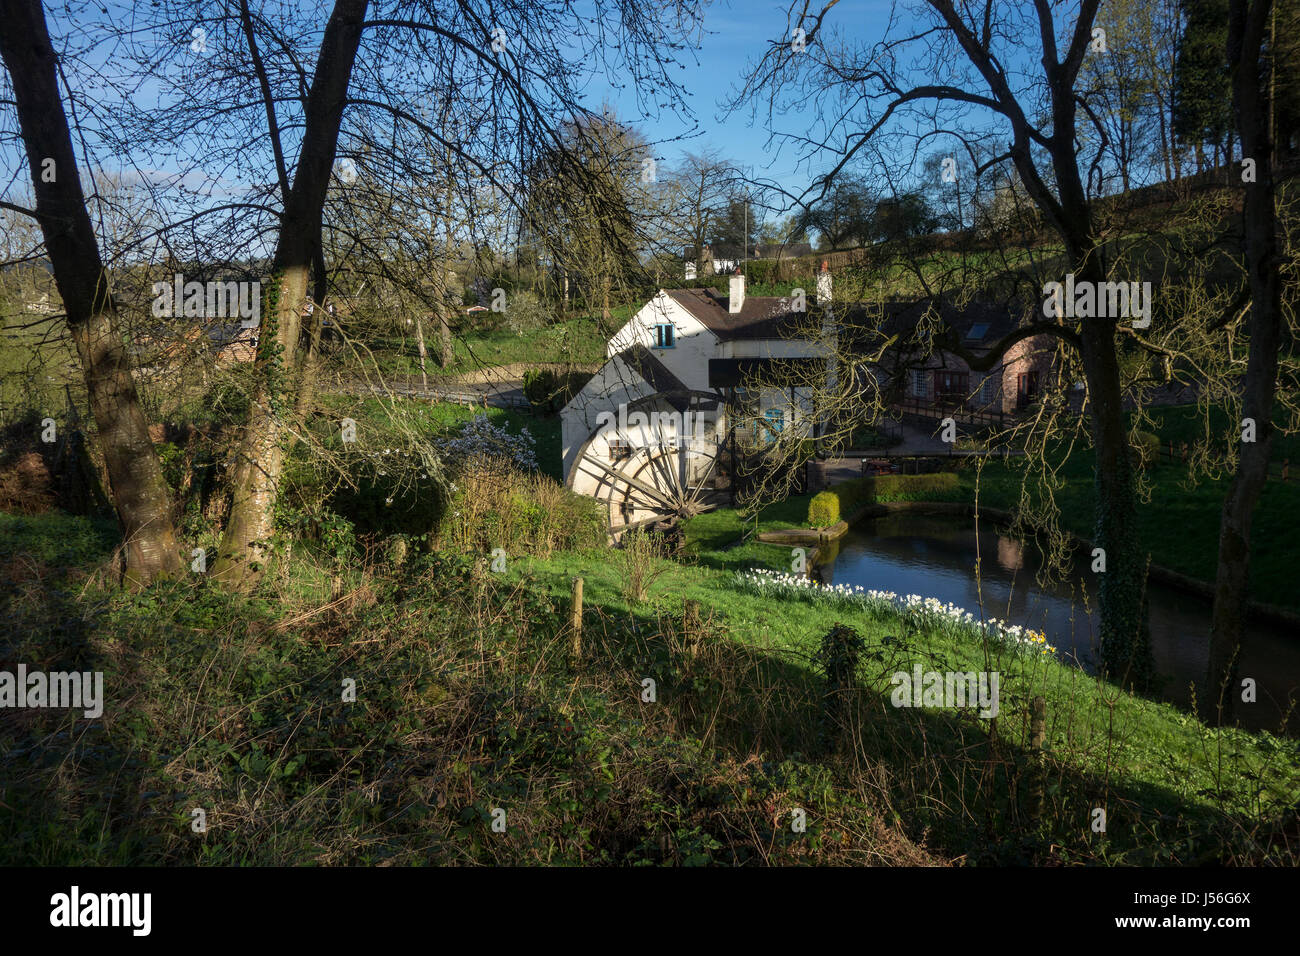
[961, 785]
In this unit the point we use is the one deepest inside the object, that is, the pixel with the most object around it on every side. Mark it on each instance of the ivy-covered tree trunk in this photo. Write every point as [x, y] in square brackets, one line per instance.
[1121, 588]
[135, 477]
[245, 545]
[1247, 38]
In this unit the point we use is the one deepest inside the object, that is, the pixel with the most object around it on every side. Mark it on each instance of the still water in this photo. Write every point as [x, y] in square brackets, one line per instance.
[934, 556]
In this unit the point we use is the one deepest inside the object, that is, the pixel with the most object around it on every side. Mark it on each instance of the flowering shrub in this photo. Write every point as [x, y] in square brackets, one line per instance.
[481, 445]
[929, 613]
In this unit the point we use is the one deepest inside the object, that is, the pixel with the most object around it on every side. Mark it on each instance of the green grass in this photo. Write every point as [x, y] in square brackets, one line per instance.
[56, 539]
[577, 340]
[1156, 759]
[35, 364]
[710, 536]
[466, 701]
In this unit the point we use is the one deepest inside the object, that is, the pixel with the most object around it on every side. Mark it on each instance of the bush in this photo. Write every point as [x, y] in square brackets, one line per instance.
[641, 559]
[480, 445]
[525, 312]
[824, 509]
[544, 389]
[835, 504]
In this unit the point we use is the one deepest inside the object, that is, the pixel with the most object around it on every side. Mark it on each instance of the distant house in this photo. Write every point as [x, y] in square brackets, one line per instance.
[944, 380]
[723, 259]
[41, 305]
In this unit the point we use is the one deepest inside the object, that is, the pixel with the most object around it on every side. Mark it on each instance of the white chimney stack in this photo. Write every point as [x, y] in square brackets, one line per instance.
[736, 300]
[824, 284]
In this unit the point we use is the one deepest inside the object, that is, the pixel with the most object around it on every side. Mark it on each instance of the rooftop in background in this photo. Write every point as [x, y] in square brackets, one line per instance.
[771, 317]
[771, 250]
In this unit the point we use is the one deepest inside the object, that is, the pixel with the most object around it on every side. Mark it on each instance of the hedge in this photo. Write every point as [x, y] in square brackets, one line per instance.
[830, 506]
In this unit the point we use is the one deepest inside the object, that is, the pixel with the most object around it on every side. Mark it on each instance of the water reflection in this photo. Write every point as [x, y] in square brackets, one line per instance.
[934, 556]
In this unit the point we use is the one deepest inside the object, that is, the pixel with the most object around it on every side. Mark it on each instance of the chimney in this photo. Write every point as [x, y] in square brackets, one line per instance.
[736, 300]
[824, 285]
[830, 332]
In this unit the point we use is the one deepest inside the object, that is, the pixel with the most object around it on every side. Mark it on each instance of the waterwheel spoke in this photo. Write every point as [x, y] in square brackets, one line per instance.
[599, 468]
[704, 480]
[661, 462]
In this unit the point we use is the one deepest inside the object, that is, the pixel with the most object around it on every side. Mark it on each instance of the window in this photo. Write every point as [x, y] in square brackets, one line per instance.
[774, 418]
[988, 387]
[665, 336]
[619, 449]
[952, 386]
[977, 331]
[1026, 387]
[920, 383]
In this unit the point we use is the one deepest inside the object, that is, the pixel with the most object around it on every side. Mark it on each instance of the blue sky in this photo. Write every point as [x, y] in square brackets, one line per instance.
[736, 34]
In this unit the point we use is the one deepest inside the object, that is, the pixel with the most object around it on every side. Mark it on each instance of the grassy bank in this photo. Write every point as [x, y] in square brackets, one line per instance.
[465, 706]
[374, 704]
[577, 340]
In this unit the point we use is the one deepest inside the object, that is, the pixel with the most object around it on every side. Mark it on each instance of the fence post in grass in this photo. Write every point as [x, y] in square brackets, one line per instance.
[691, 625]
[1037, 744]
[577, 617]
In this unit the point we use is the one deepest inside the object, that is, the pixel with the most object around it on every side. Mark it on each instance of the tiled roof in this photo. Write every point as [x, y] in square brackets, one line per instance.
[761, 317]
[769, 317]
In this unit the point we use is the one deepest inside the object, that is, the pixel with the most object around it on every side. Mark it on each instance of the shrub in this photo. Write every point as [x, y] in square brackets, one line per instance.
[525, 312]
[548, 390]
[523, 513]
[480, 446]
[824, 509]
[386, 499]
[936, 486]
[641, 561]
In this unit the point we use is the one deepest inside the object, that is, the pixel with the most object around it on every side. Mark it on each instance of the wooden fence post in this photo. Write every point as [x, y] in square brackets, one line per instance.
[577, 617]
[1037, 744]
[691, 621]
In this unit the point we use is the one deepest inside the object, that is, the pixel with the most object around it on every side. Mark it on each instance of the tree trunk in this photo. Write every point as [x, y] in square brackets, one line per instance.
[1125, 636]
[310, 344]
[244, 551]
[135, 476]
[1247, 31]
[419, 347]
[446, 350]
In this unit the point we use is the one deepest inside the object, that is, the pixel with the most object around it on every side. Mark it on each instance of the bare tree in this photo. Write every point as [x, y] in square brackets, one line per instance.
[135, 476]
[942, 71]
[1253, 63]
[516, 57]
[700, 188]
